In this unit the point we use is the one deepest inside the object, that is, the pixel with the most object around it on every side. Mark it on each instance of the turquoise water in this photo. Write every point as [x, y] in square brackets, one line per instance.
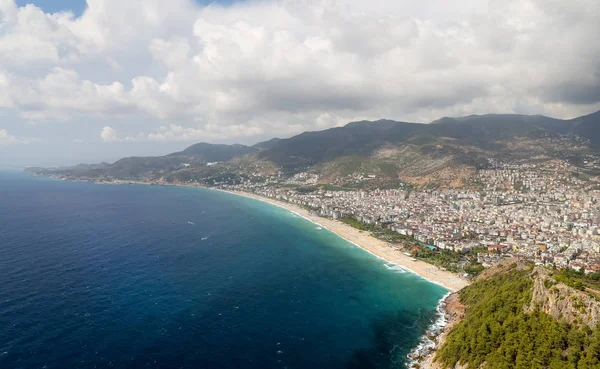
[165, 277]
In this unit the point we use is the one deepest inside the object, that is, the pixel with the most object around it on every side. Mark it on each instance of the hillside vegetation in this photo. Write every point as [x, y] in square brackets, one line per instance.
[501, 330]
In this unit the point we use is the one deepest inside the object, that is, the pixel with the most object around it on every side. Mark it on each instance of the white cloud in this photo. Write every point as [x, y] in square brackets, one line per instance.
[7, 139]
[108, 134]
[279, 67]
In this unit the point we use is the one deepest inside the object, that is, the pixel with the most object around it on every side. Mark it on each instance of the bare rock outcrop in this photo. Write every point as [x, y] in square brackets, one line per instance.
[562, 302]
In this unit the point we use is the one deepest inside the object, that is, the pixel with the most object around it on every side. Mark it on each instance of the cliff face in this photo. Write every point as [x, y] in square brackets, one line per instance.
[562, 302]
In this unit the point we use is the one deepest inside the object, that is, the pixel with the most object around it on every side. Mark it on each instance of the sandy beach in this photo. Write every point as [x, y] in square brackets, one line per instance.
[371, 244]
[362, 239]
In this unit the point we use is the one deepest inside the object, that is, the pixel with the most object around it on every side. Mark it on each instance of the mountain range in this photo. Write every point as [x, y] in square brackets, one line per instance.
[440, 151]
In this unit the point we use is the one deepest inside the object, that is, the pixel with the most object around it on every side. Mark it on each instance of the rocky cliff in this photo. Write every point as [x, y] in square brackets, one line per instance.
[562, 302]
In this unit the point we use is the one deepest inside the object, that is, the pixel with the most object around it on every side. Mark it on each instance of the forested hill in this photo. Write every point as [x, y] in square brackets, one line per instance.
[526, 318]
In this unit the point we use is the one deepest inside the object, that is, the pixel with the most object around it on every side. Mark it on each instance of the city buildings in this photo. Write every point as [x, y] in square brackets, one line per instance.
[542, 213]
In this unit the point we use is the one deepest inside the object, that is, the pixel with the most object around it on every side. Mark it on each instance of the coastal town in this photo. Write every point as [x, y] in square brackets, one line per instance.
[547, 214]
[519, 213]
[544, 213]
[289, 184]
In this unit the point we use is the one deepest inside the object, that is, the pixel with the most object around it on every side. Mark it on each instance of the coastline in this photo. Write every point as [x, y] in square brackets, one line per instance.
[452, 311]
[365, 241]
[448, 308]
[422, 356]
[362, 239]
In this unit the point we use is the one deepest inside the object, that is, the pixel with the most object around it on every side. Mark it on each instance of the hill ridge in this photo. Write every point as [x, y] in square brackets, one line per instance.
[391, 150]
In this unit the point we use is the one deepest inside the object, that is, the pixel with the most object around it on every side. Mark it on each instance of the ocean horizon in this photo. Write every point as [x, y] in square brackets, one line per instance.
[129, 276]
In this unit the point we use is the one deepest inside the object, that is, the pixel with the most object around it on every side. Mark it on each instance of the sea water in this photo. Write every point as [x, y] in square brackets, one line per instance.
[135, 276]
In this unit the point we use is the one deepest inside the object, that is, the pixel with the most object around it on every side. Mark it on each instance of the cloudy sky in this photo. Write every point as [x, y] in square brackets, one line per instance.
[97, 80]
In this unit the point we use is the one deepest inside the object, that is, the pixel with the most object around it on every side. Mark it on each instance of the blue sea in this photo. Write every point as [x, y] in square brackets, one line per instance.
[134, 276]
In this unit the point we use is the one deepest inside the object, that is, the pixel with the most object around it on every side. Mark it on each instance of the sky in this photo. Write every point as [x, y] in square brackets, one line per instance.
[97, 80]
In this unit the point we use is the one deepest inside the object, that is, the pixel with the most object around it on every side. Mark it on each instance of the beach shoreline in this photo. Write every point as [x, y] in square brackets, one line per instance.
[362, 239]
[365, 241]
[423, 355]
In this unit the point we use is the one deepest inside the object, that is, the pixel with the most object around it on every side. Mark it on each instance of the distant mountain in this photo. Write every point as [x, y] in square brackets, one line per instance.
[508, 125]
[267, 144]
[213, 153]
[79, 169]
[153, 168]
[389, 149]
[588, 127]
[482, 132]
[357, 138]
[144, 167]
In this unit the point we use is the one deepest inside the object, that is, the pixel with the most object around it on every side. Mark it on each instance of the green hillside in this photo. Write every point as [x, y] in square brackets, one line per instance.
[499, 331]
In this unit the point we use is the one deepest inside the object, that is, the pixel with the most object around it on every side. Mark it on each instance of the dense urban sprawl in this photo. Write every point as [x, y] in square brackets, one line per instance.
[544, 213]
